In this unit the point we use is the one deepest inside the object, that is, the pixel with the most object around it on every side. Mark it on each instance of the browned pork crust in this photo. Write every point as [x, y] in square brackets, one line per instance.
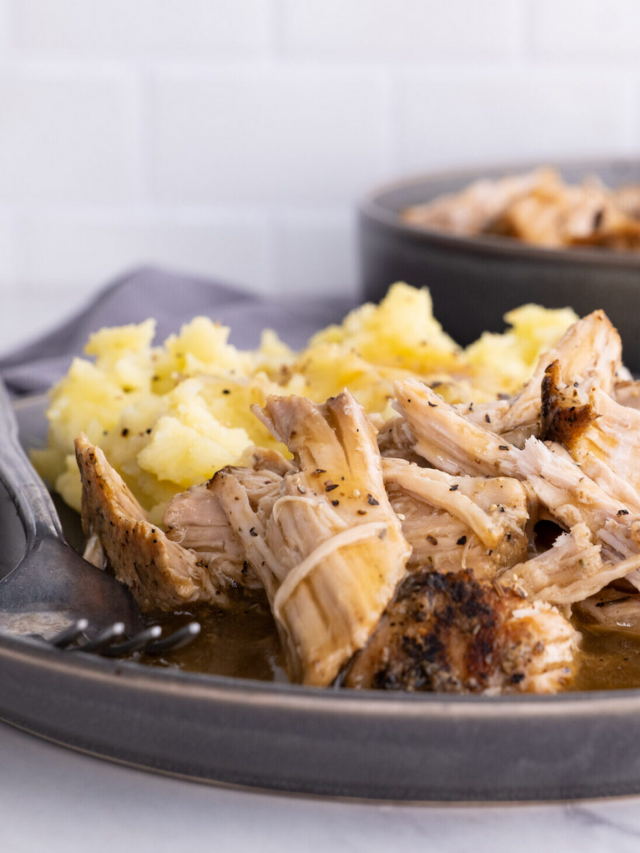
[564, 415]
[161, 574]
[451, 633]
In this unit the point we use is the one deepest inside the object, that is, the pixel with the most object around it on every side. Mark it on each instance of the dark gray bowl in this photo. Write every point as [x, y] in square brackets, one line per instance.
[313, 741]
[474, 281]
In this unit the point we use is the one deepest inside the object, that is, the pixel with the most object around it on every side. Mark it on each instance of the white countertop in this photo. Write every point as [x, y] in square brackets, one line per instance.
[57, 801]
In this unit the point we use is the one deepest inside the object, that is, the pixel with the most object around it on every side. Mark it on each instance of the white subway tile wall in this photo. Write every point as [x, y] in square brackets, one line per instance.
[234, 139]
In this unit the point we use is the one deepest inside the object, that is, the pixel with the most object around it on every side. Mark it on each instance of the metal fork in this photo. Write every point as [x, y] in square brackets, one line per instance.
[113, 642]
[53, 593]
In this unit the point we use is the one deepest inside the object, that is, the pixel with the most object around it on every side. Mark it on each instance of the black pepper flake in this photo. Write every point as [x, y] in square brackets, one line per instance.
[623, 512]
[148, 430]
[372, 501]
[362, 512]
[245, 567]
[432, 539]
[462, 540]
[454, 488]
[508, 537]
[335, 503]
[319, 471]
[487, 419]
[503, 446]
[331, 487]
[470, 407]
[125, 432]
[433, 405]
[253, 532]
[226, 391]
[517, 677]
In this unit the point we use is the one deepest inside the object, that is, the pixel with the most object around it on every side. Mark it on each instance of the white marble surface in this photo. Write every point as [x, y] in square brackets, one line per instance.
[54, 800]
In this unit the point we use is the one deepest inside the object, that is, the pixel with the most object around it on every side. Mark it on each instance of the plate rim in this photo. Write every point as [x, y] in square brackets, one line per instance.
[204, 686]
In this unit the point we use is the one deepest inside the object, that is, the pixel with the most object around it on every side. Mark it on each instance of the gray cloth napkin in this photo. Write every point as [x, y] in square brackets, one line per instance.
[173, 299]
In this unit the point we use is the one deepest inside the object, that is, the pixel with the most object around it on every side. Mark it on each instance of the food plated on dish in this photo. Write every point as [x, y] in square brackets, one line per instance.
[393, 511]
[539, 208]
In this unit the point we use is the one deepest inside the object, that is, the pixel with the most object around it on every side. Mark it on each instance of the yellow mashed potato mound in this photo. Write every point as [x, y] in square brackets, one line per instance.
[170, 416]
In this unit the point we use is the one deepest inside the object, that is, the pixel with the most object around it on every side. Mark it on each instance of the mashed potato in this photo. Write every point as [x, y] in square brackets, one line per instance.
[168, 417]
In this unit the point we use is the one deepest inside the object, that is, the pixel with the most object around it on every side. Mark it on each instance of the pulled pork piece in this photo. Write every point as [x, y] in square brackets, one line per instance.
[569, 571]
[395, 441]
[328, 547]
[453, 444]
[566, 410]
[556, 215]
[453, 634]
[590, 351]
[196, 520]
[572, 497]
[612, 610]
[447, 440]
[599, 433]
[627, 393]
[562, 490]
[473, 209]
[161, 574]
[455, 523]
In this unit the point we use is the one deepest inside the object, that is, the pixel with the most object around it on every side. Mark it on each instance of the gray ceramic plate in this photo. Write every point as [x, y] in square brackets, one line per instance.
[474, 281]
[323, 742]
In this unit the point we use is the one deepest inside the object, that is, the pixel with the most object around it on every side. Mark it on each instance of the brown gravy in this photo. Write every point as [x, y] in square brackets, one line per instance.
[245, 645]
[242, 644]
[608, 660]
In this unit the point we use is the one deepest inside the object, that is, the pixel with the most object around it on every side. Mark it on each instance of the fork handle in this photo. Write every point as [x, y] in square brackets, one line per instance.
[28, 492]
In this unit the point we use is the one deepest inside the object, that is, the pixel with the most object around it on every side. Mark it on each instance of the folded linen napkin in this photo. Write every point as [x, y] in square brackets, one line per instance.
[173, 299]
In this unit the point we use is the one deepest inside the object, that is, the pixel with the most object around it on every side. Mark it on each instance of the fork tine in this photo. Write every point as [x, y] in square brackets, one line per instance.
[68, 635]
[135, 644]
[104, 639]
[180, 638]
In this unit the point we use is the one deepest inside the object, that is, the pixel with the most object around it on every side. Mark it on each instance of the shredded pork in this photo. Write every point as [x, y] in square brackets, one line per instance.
[328, 547]
[406, 557]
